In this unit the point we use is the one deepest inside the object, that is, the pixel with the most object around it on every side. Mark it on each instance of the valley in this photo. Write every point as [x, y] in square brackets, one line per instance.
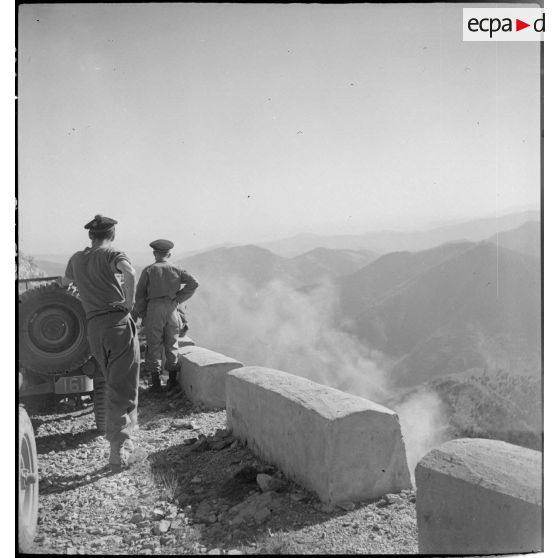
[459, 321]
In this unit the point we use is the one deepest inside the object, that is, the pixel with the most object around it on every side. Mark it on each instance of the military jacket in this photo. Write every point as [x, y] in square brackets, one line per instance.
[163, 280]
[93, 270]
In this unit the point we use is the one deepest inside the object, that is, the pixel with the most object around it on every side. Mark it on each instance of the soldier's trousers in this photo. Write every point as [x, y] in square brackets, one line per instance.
[161, 326]
[114, 343]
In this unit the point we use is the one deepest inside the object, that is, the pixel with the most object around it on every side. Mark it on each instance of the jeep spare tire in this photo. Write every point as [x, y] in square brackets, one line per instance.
[52, 330]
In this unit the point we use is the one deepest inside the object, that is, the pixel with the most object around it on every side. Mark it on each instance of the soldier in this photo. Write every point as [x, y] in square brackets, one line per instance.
[158, 296]
[111, 332]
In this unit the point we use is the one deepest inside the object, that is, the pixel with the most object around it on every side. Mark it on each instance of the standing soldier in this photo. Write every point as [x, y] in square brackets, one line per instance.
[158, 295]
[111, 332]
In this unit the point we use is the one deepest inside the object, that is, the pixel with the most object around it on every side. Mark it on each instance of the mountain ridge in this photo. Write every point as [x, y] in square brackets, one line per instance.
[385, 241]
[259, 266]
[525, 239]
[474, 306]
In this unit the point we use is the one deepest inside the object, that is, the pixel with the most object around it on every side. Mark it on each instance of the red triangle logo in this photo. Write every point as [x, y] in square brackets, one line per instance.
[519, 25]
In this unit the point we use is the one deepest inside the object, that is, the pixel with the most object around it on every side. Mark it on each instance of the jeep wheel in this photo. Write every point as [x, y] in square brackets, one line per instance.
[52, 330]
[99, 404]
[28, 498]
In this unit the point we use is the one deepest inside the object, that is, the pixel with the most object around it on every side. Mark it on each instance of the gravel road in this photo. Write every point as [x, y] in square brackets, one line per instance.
[198, 491]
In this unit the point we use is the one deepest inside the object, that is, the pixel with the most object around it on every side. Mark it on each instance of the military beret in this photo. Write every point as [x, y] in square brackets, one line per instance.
[100, 223]
[161, 245]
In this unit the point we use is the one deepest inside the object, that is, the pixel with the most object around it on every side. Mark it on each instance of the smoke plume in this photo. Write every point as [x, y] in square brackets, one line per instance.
[280, 327]
[423, 424]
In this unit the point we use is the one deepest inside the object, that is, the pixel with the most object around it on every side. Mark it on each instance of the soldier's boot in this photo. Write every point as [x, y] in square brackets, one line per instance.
[172, 379]
[172, 385]
[123, 454]
[120, 452]
[155, 382]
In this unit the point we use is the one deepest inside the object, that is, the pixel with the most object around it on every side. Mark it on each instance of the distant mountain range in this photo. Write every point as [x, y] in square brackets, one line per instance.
[525, 239]
[51, 269]
[448, 309]
[462, 320]
[258, 266]
[383, 242]
[443, 310]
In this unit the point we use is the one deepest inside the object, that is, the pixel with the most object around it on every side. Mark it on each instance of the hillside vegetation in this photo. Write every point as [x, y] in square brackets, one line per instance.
[486, 404]
[28, 268]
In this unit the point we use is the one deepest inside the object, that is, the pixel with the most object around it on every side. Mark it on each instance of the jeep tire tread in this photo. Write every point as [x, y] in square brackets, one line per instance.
[28, 496]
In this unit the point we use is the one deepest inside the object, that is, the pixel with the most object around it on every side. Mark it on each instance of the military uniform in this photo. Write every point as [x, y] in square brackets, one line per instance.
[158, 296]
[111, 334]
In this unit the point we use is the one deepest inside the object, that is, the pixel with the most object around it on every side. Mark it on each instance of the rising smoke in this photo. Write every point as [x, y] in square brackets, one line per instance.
[423, 424]
[281, 327]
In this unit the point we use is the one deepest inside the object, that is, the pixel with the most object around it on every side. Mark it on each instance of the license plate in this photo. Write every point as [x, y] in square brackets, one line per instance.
[73, 384]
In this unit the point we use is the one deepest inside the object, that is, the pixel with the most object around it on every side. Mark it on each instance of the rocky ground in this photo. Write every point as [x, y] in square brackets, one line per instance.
[198, 491]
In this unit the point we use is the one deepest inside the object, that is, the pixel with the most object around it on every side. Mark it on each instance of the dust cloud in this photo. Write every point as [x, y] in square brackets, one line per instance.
[280, 327]
[423, 424]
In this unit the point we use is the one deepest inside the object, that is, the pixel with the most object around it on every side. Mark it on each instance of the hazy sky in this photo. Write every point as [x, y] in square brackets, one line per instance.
[223, 123]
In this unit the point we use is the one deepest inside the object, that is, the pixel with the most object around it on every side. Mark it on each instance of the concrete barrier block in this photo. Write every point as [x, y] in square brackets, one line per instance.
[203, 375]
[342, 447]
[477, 496]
